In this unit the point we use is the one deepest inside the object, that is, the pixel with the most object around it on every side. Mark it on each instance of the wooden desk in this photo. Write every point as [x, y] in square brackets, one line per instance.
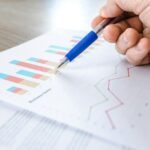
[22, 20]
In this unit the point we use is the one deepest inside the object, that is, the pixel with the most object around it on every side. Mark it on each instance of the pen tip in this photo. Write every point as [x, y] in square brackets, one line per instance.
[63, 62]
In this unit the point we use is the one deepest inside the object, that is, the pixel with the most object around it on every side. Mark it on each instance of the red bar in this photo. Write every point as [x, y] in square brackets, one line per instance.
[32, 66]
[61, 53]
[14, 79]
[17, 90]
[74, 41]
[37, 76]
[42, 61]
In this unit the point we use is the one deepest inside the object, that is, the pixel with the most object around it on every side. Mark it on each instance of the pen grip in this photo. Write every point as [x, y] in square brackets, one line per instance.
[82, 45]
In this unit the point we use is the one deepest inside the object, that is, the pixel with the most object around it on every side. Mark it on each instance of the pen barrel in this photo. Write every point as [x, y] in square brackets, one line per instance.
[82, 45]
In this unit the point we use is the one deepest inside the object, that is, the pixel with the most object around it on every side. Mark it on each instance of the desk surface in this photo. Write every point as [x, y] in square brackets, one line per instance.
[22, 20]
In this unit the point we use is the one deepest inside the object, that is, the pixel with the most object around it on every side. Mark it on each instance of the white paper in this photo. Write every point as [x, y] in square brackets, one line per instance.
[99, 92]
[23, 130]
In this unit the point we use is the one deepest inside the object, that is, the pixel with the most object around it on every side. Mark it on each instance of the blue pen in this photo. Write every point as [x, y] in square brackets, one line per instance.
[90, 38]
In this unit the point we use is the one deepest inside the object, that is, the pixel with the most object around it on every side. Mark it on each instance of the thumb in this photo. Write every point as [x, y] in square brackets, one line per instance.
[114, 8]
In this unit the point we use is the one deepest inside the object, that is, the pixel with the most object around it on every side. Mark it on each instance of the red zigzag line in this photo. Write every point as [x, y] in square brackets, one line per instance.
[120, 102]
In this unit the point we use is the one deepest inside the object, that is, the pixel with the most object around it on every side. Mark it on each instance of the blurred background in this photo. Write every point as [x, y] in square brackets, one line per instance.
[23, 20]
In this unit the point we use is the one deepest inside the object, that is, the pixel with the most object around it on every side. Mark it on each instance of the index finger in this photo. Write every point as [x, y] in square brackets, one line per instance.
[96, 21]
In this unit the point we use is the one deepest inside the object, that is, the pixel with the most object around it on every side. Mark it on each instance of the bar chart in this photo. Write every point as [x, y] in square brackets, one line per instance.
[16, 90]
[33, 72]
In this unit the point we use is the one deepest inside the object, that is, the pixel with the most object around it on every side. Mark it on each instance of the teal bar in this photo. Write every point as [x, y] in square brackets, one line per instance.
[51, 51]
[3, 76]
[33, 59]
[12, 89]
[15, 62]
[77, 37]
[59, 47]
[26, 73]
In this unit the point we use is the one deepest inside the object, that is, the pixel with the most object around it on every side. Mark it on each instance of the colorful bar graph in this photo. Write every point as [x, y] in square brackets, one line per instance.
[32, 75]
[42, 61]
[56, 52]
[59, 47]
[18, 80]
[17, 90]
[32, 66]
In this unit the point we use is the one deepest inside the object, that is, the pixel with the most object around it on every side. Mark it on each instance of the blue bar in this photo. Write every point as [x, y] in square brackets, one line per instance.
[12, 89]
[3, 76]
[59, 47]
[26, 73]
[33, 59]
[51, 51]
[77, 37]
[15, 62]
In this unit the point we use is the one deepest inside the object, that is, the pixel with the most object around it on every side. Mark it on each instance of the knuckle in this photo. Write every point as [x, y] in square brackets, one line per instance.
[133, 59]
[134, 62]
[138, 6]
[119, 49]
[145, 16]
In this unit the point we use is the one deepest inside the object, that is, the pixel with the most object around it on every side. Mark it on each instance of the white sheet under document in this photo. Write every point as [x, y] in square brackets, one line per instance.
[23, 130]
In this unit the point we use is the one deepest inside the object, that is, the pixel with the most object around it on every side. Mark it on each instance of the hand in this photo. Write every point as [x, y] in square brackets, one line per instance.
[132, 36]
